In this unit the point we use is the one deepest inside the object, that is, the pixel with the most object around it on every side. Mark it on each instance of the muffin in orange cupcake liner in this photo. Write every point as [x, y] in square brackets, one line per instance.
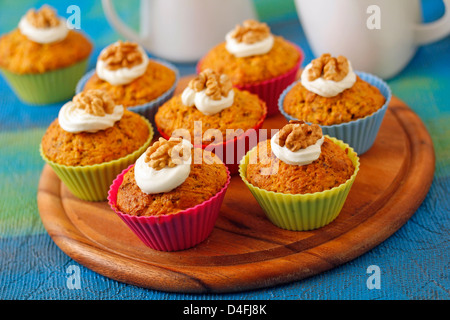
[231, 151]
[172, 232]
[270, 90]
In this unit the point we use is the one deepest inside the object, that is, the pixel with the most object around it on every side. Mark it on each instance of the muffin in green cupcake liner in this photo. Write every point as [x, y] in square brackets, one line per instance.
[92, 182]
[48, 87]
[302, 212]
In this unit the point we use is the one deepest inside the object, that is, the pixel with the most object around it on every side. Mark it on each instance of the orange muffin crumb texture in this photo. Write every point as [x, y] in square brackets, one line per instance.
[20, 55]
[84, 148]
[245, 113]
[250, 70]
[204, 181]
[359, 101]
[156, 80]
[331, 169]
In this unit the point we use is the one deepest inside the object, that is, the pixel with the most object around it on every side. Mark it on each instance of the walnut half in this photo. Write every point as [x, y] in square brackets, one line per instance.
[45, 17]
[95, 102]
[250, 32]
[121, 55]
[215, 85]
[166, 153]
[329, 68]
[298, 135]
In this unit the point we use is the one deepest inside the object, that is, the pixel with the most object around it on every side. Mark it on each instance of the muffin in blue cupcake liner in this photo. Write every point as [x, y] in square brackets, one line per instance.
[149, 109]
[361, 133]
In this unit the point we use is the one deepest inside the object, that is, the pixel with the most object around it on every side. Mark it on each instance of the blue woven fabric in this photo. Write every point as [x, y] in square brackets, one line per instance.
[414, 262]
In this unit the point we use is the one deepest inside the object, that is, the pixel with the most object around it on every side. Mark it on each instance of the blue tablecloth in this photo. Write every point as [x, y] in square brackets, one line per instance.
[413, 263]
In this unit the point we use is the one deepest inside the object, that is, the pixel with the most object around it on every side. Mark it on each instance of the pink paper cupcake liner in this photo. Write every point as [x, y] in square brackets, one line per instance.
[248, 140]
[269, 90]
[172, 232]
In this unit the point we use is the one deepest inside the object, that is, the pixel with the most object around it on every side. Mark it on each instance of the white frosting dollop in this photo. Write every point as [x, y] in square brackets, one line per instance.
[299, 157]
[152, 181]
[328, 88]
[124, 75]
[204, 103]
[241, 49]
[43, 35]
[73, 119]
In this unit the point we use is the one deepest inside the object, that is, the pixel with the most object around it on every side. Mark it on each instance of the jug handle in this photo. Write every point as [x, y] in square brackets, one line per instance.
[118, 24]
[433, 31]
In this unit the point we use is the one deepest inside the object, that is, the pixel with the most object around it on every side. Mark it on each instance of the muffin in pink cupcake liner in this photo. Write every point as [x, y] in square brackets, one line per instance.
[172, 232]
[270, 90]
[235, 148]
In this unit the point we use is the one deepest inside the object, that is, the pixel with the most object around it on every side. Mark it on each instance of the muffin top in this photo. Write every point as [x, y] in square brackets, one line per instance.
[42, 42]
[92, 129]
[298, 160]
[210, 106]
[251, 54]
[158, 184]
[124, 70]
[329, 93]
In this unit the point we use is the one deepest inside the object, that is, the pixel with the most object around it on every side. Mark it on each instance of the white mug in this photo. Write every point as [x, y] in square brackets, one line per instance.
[182, 30]
[377, 36]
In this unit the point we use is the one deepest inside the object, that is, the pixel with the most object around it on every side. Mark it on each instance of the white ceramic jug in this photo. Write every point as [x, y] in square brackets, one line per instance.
[182, 30]
[378, 36]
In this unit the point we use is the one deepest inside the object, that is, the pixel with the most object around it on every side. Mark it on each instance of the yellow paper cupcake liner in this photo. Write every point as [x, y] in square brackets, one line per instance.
[302, 212]
[92, 182]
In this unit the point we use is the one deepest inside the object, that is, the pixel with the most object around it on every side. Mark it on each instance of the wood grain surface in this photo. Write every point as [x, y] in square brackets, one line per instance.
[245, 250]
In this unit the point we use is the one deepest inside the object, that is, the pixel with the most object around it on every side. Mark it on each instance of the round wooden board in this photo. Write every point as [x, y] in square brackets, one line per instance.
[245, 250]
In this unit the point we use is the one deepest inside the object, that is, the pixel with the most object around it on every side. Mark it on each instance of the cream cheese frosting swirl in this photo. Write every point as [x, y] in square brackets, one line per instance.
[204, 103]
[122, 75]
[209, 92]
[299, 157]
[45, 34]
[250, 39]
[297, 143]
[328, 76]
[75, 118]
[152, 181]
[241, 49]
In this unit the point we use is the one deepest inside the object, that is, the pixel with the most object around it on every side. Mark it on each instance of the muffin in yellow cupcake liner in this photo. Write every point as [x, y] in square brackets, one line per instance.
[92, 182]
[48, 87]
[302, 212]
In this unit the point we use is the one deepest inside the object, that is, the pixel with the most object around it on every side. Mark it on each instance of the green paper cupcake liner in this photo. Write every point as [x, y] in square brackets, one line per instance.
[48, 87]
[92, 182]
[302, 212]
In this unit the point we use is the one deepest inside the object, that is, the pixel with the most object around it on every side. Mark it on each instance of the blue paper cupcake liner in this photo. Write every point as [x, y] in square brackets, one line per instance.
[360, 134]
[149, 109]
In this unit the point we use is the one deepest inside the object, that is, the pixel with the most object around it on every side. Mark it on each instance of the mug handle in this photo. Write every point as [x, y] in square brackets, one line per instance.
[433, 31]
[116, 22]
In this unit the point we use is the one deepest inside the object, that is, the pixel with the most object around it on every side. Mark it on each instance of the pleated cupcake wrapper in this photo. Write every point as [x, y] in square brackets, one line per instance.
[232, 144]
[172, 232]
[92, 182]
[302, 212]
[270, 90]
[360, 134]
[48, 87]
[149, 109]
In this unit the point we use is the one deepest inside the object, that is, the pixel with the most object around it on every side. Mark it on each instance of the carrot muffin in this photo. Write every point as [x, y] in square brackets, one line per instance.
[158, 184]
[210, 101]
[124, 70]
[42, 43]
[299, 160]
[330, 93]
[92, 129]
[251, 54]
[42, 59]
